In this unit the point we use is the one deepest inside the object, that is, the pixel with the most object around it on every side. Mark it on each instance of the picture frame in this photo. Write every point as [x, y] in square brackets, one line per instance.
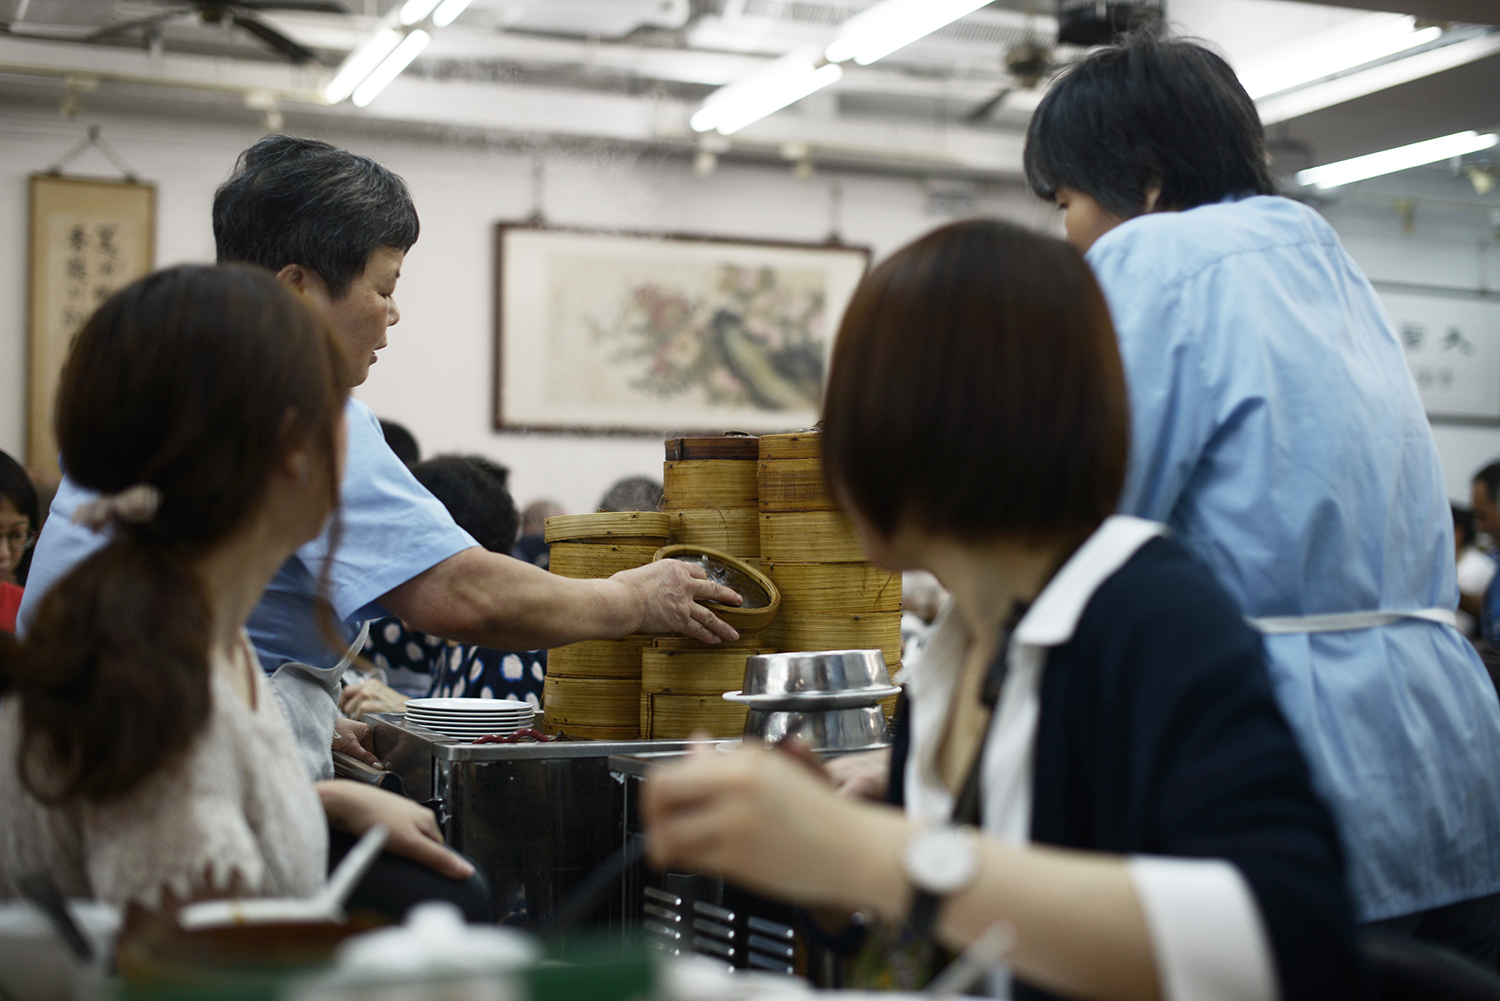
[637, 333]
[88, 238]
[1451, 338]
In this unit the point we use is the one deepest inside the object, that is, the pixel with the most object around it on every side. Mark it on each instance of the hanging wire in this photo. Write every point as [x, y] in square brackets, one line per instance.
[96, 141]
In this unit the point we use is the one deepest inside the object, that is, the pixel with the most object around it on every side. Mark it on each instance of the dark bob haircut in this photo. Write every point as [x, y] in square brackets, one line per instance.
[301, 201]
[1148, 112]
[16, 485]
[976, 390]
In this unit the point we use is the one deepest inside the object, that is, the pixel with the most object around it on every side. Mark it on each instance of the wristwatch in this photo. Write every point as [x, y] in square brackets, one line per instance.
[939, 861]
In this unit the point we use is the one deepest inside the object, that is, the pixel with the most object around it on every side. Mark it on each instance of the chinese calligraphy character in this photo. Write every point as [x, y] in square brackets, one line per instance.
[1412, 335]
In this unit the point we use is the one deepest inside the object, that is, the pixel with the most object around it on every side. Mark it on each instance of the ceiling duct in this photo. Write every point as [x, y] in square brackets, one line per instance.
[1101, 22]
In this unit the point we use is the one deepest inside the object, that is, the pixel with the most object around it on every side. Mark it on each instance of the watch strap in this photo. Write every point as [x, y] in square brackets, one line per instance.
[922, 918]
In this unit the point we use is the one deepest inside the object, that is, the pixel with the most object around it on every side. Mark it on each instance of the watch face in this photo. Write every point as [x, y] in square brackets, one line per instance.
[941, 860]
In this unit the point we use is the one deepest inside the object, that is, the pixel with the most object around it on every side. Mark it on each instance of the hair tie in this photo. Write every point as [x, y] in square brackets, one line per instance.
[133, 505]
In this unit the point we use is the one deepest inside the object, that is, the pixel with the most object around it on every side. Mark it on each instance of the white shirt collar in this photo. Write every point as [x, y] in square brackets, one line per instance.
[1054, 614]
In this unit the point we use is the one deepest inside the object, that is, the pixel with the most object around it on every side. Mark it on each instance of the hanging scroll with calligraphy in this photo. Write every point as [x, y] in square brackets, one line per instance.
[1452, 344]
[89, 237]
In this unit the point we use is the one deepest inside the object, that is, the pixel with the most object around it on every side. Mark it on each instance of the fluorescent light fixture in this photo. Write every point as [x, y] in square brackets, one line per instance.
[788, 79]
[1465, 48]
[1357, 42]
[360, 63]
[414, 10]
[450, 9]
[398, 60]
[1387, 161]
[878, 31]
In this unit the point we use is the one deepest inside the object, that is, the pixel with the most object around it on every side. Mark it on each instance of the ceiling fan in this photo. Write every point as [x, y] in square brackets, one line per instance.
[243, 14]
[1079, 23]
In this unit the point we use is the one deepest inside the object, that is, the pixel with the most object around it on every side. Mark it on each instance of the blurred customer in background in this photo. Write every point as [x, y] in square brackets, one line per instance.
[19, 523]
[532, 545]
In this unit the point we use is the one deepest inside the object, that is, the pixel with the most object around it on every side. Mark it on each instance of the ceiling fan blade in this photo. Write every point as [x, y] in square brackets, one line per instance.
[120, 27]
[301, 6]
[296, 53]
[982, 112]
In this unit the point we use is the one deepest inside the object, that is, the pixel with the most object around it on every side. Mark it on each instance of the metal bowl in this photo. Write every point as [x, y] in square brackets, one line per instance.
[829, 730]
[814, 672]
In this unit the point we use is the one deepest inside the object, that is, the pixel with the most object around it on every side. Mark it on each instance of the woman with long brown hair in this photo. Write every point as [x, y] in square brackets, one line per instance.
[143, 757]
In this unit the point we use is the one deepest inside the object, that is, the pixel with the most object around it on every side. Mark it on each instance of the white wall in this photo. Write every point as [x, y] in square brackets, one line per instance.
[436, 374]
[1451, 244]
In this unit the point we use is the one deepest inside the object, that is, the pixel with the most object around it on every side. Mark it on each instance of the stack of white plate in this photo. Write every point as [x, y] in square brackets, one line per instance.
[470, 718]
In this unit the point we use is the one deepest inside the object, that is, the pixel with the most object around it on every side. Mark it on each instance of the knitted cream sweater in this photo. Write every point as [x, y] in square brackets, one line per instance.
[237, 809]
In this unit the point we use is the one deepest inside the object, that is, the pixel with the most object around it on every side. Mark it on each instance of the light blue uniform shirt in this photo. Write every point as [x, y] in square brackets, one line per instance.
[391, 529]
[1276, 428]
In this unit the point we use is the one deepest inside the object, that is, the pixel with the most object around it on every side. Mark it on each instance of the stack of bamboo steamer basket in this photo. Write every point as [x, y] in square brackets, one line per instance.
[711, 495]
[832, 598]
[593, 687]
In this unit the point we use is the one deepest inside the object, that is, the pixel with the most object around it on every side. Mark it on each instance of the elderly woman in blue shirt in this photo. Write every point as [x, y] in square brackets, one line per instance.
[1276, 429]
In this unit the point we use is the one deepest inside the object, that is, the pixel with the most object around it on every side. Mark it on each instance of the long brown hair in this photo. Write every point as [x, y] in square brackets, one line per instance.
[976, 389]
[195, 381]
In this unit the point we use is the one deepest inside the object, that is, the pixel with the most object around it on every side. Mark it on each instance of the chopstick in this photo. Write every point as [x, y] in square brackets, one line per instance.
[587, 890]
[39, 888]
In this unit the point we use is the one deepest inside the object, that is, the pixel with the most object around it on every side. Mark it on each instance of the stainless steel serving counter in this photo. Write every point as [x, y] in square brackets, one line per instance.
[538, 817]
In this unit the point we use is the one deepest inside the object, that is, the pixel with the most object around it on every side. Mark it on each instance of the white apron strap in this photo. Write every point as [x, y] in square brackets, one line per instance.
[1346, 621]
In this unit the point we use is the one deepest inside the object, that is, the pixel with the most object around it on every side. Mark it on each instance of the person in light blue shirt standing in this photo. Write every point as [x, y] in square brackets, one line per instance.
[335, 228]
[1277, 430]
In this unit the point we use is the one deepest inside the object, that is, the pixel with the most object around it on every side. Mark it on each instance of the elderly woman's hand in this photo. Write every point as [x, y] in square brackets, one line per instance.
[371, 696]
[669, 592]
[354, 807]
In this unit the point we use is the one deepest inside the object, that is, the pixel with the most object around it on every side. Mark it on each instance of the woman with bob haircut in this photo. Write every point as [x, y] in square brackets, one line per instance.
[1277, 429]
[1090, 699]
[144, 759]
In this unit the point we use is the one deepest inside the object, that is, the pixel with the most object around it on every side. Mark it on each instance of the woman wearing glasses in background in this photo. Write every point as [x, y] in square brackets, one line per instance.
[18, 526]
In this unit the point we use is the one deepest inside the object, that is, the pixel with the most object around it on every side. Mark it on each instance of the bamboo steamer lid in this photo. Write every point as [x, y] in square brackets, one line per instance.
[761, 600]
[706, 671]
[837, 631]
[709, 483]
[592, 560]
[598, 658]
[806, 444]
[732, 530]
[591, 701]
[732, 446]
[630, 528]
[830, 588]
[794, 485]
[676, 717]
[809, 537]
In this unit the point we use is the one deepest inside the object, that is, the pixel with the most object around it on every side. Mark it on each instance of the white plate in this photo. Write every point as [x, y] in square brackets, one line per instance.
[469, 720]
[469, 705]
[812, 701]
[467, 717]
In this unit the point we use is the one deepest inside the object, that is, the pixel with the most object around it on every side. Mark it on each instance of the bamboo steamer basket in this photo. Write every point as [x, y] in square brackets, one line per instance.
[624, 528]
[809, 537]
[599, 658]
[834, 588]
[732, 530]
[794, 485]
[838, 631]
[708, 670]
[806, 444]
[762, 601]
[677, 717]
[591, 702]
[593, 560]
[709, 483]
[732, 445]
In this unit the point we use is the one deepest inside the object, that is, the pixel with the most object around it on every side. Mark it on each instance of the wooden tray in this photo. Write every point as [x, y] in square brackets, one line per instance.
[709, 483]
[834, 588]
[809, 537]
[794, 485]
[594, 560]
[677, 717]
[733, 447]
[599, 658]
[796, 445]
[618, 527]
[731, 530]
